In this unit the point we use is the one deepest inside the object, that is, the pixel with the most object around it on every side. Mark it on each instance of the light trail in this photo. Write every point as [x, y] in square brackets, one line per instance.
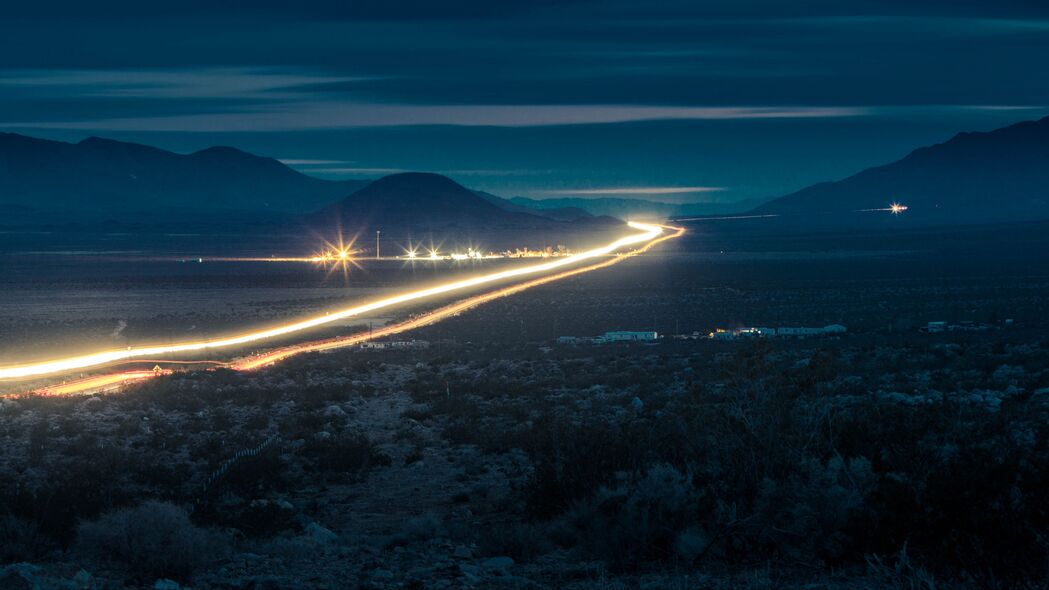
[648, 233]
[105, 382]
[765, 216]
[114, 381]
[895, 209]
[432, 317]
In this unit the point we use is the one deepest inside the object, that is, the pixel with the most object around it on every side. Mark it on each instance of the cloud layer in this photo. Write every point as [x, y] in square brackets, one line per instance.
[196, 73]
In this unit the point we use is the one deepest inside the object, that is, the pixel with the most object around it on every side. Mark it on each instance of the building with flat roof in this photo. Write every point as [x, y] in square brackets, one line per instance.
[628, 336]
[785, 332]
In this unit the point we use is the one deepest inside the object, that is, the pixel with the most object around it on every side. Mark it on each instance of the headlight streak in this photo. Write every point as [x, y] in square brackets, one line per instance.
[432, 317]
[113, 381]
[649, 232]
[895, 208]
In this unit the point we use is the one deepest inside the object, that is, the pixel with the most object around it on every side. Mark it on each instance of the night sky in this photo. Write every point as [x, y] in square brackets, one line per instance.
[685, 101]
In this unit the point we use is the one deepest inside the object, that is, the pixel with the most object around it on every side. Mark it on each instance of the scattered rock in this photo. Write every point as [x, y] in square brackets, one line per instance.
[497, 563]
[381, 574]
[19, 575]
[334, 411]
[82, 579]
[320, 534]
[462, 552]
[166, 584]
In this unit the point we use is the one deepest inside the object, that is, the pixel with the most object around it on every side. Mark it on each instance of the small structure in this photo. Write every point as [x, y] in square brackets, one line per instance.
[398, 344]
[792, 332]
[934, 327]
[784, 332]
[621, 336]
[723, 334]
[416, 344]
[961, 326]
[608, 337]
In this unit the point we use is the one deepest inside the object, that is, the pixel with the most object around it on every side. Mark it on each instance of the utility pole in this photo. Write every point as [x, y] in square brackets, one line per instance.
[377, 232]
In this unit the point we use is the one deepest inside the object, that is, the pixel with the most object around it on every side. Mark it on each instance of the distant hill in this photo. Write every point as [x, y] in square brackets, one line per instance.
[102, 179]
[558, 213]
[429, 201]
[996, 176]
[632, 208]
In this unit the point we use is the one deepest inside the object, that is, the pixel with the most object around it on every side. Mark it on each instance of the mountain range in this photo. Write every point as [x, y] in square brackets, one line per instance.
[104, 181]
[973, 178]
[625, 208]
[430, 201]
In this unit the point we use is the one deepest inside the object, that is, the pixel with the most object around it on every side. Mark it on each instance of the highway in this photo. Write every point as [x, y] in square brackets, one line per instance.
[649, 236]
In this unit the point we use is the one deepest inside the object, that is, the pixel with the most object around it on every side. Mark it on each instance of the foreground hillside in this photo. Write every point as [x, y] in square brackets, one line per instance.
[826, 465]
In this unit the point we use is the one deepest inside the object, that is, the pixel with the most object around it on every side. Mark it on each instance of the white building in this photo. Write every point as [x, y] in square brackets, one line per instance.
[628, 336]
[785, 332]
[401, 344]
[798, 332]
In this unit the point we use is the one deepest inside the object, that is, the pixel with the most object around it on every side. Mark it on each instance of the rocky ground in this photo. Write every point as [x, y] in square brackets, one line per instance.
[410, 470]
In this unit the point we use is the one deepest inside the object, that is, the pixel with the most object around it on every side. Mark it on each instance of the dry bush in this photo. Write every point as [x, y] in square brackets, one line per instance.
[154, 539]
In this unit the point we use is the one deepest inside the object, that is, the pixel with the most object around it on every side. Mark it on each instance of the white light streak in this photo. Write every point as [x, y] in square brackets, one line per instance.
[648, 233]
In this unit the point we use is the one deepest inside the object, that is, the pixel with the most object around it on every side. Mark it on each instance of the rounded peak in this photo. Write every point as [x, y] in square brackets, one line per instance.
[100, 141]
[218, 150]
[417, 179]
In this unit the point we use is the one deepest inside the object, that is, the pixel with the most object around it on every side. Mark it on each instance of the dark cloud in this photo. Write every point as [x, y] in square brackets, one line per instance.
[271, 68]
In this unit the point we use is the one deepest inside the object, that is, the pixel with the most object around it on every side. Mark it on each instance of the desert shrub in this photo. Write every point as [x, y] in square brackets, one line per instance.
[256, 476]
[420, 528]
[253, 518]
[520, 540]
[808, 514]
[784, 467]
[82, 483]
[572, 461]
[899, 573]
[634, 521]
[154, 539]
[21, 540]
[346, 455]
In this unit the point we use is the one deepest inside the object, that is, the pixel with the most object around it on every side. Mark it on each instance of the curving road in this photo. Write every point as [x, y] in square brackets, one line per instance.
[650, 236]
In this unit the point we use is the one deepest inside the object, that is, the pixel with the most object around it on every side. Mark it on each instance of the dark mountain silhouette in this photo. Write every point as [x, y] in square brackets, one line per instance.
[102, 179]
[631, 208]
[988, 177]
[427, 201]
[558, 213]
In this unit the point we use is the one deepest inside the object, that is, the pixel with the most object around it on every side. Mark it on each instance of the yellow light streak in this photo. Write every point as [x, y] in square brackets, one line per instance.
[97, 383]
[432, 317]
[648, 232]
[114, 381]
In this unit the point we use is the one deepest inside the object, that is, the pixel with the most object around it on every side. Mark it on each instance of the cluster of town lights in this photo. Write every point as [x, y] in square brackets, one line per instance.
[334, 255]
[475, 254]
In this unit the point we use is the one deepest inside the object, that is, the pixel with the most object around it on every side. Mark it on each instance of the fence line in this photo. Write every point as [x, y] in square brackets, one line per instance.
[226, 465]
